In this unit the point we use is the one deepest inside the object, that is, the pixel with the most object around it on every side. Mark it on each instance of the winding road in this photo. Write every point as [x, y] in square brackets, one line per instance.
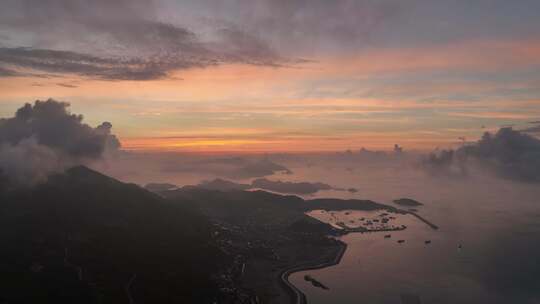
[128, 288]
[297, 296]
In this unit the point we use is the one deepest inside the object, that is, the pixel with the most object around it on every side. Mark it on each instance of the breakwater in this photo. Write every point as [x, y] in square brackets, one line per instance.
[297, 296]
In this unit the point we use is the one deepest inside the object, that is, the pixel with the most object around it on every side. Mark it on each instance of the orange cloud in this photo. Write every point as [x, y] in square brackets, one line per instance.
[484, 55]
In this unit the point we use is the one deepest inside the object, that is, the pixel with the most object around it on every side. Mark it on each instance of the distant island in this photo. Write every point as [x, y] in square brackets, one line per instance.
[407, 202]
[153, 187]
[285, 187]
[269, 236]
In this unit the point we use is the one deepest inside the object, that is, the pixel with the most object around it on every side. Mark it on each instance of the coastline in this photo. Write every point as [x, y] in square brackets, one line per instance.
[297, 296]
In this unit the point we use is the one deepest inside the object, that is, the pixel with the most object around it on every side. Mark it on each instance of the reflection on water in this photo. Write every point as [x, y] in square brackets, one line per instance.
[496, 222]
[378, 269]
[484, 252]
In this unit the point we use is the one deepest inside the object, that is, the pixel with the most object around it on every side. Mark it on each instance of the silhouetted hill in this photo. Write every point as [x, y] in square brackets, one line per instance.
[278, 186]
[222, 185]
[265, 209]
[268, 234]
[154, 187]
[263, 199]
[83, 237]
[290, 187]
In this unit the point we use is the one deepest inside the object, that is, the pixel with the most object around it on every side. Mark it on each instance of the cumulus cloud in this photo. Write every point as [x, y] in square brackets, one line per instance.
[27, 162]
[45, 137]
[509, 153]
[112, 144]
[445, 162]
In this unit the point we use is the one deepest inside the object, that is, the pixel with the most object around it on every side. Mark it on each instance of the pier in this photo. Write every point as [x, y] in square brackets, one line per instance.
[430, 224]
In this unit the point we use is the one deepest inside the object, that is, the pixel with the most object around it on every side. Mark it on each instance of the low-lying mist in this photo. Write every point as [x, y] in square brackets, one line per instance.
[45, 138]
[484, 194]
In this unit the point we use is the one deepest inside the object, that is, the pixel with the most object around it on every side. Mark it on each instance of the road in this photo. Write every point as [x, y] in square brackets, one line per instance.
[297, 296]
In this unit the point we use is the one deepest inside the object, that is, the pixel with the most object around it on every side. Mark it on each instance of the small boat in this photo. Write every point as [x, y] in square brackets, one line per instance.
[401, 241]
[427, 242]
[387, 236]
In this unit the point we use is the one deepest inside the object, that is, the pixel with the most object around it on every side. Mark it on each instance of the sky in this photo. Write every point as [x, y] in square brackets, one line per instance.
[277, 75]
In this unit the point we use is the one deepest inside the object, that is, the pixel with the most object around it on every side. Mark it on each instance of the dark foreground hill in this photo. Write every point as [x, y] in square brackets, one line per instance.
[82, 237]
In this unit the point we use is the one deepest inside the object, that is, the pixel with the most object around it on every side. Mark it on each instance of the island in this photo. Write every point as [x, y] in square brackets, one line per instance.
[407, 202]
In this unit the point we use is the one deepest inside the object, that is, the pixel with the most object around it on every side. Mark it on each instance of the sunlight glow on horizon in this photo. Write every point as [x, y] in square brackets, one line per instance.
[272, 90]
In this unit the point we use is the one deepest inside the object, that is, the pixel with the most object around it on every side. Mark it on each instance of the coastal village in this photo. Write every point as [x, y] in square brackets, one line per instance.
[267, 237]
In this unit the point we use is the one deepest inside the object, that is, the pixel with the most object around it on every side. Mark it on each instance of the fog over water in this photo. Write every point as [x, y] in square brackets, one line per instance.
[495, 220]
[165, 151]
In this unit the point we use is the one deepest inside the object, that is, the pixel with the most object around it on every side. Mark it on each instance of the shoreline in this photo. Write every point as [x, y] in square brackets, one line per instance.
[297, 296]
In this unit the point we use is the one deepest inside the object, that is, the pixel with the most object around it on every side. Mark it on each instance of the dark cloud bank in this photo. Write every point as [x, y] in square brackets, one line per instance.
[45, 137]
[508, 153]
[115, 40]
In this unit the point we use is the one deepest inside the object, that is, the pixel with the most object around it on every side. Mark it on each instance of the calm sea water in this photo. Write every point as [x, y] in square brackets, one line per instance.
[496, 222]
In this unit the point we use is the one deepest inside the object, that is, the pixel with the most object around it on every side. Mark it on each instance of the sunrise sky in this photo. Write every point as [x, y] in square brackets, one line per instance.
[277, 75]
